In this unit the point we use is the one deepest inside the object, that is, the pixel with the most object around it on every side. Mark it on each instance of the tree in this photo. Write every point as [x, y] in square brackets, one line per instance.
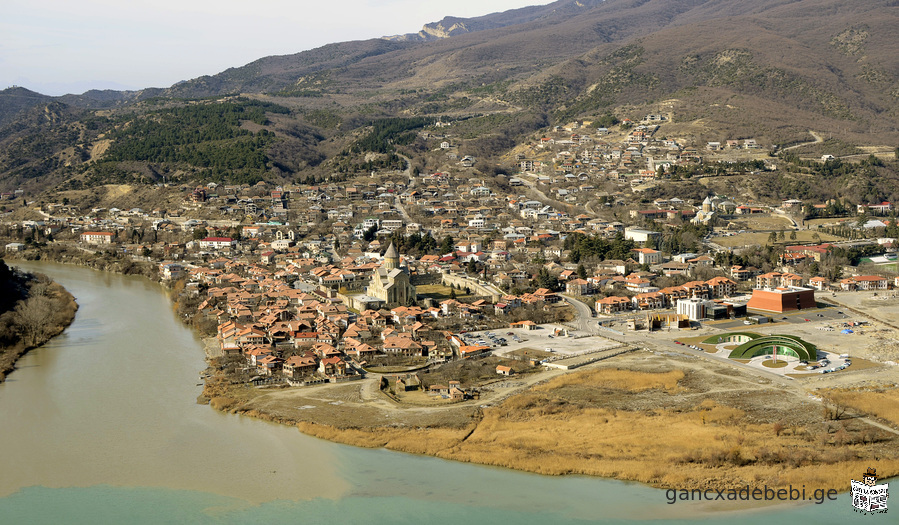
[772, 238]
[200, 233]
[814, 268]
[581, 271]
[793, 235]
[547, 280]
[862, 220]
[369, 234]
[809, 211]
[472, 266]
[34, 317]
[446, 245]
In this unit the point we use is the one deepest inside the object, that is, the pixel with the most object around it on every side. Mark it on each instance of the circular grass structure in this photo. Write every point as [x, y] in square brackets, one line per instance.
[782, 344]
[731, 337]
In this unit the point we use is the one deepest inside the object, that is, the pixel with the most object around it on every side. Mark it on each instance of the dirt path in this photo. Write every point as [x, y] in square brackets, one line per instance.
[369, 396]
[879, 425]
[817, 137]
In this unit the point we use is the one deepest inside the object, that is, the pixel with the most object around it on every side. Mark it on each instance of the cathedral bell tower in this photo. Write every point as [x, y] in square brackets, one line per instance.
[391, 258]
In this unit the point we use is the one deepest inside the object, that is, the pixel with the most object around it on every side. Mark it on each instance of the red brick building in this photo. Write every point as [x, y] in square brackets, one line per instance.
[782, 299]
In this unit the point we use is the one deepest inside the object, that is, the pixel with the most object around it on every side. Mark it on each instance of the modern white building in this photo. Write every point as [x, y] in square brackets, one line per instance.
[639, 235]
[694, 308]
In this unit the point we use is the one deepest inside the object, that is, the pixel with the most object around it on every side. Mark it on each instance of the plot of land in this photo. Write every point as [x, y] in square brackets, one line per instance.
[438, 292]
[529, 353]
[763, 222]
[544, 338]
[761, 238]
[828, 221]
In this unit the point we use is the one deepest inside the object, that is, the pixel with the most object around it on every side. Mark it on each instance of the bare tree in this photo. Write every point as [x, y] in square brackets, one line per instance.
[34, 317]
[834, 411]
[40, 286]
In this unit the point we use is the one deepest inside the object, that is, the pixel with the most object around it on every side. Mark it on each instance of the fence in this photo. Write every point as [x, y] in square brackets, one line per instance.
[606, 354]
[268, 381]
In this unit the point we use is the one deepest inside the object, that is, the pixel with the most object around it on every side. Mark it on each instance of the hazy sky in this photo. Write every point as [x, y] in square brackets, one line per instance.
[69, 46]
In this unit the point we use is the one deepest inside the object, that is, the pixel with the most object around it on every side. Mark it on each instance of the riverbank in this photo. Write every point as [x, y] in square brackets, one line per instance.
[663, 420]
[44, 313]
[643, 417]
[105, 261]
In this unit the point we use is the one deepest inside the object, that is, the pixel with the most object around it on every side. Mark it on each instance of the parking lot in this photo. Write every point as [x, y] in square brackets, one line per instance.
[800, 317]
[543, 338]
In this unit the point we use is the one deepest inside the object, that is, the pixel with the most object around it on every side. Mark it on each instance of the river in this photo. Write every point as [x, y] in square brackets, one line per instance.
[101, 426]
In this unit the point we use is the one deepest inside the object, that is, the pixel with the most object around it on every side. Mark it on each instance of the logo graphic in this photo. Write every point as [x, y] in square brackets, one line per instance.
[867, 496]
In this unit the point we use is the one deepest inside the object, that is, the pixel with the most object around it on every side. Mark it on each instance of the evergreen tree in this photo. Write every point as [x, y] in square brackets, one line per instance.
[446, 246]
[370, 234]
[547, 280]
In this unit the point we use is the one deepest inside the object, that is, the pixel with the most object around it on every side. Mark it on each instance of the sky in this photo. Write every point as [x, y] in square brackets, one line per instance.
[69, 46]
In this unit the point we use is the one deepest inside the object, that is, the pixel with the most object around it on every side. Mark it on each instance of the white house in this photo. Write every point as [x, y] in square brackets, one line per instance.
[217, 243]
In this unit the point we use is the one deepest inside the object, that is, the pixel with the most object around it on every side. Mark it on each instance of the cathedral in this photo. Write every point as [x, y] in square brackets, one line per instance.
[390, 283]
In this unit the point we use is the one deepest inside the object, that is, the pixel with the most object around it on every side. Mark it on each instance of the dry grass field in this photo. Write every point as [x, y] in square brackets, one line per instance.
[438, 292]
[665, 420]
[880, 403]
[761, 238]
[828, 221]
[651, 427]
[763, 222]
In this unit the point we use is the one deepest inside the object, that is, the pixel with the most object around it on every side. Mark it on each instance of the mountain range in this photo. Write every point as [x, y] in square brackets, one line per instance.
[770, 69]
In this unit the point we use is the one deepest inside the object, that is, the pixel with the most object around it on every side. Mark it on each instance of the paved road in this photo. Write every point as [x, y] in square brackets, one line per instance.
[546, 200]
[584, 316]
[585, 322]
